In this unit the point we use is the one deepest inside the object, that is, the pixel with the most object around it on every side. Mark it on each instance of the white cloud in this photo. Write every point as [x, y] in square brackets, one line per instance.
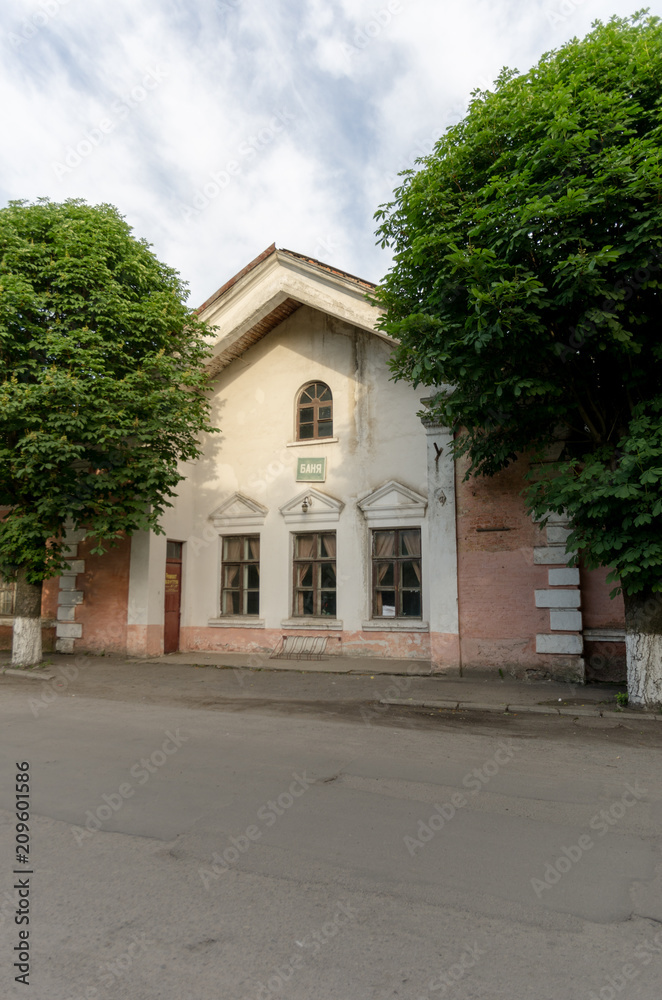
[190, 95]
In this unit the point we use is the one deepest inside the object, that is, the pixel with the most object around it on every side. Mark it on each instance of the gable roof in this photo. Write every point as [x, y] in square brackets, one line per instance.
[271, 288]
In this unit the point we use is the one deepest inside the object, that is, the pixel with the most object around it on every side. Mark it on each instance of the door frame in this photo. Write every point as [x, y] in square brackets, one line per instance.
[173, 561]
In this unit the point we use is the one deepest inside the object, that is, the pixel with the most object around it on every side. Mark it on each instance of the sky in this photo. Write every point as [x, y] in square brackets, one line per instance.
[218, 127]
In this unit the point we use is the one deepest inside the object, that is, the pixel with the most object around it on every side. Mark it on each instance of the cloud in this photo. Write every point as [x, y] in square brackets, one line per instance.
[221, 126]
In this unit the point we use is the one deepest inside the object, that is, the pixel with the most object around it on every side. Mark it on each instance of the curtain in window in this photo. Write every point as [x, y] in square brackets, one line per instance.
[306, 547]
[254, 548]
[329, 545]
[411, 546]
[411, 542]
[384, 544]
[233, 549]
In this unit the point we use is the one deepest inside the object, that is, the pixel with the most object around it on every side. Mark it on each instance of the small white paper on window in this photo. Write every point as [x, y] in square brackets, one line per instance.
[388, 611]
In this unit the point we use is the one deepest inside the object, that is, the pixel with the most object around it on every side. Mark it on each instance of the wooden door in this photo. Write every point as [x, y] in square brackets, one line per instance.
[173, 597]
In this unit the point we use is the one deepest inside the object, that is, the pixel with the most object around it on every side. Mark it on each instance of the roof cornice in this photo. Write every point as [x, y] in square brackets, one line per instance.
[270, 288]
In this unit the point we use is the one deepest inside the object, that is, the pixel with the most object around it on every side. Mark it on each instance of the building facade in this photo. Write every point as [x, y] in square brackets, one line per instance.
[327, 516]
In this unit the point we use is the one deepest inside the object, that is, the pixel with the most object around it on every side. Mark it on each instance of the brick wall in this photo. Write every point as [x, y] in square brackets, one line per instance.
[105, 586]
[497, 580]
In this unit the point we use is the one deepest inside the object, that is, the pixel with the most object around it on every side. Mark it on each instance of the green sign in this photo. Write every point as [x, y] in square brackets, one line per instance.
[311, 470]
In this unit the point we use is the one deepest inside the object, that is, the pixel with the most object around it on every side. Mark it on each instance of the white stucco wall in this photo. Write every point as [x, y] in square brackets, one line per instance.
[377, 437]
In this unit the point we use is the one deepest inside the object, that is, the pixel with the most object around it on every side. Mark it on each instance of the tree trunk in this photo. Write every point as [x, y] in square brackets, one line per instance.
[26, 644]
[643, 646]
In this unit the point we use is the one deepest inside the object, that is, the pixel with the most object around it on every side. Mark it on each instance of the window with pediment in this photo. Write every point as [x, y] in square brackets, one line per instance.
[240, 590]
[315, 574]
[396, 573]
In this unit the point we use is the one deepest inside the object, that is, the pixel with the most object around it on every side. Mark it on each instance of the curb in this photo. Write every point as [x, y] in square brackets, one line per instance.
[32, 675]
[507, 709]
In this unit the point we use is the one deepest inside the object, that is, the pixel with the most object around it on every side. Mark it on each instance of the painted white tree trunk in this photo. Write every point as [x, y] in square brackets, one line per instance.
[26, 644]
[644, 660]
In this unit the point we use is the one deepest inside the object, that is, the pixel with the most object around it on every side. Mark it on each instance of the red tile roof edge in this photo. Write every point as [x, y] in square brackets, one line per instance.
[245, 270]
[291, 253]
[328, 267]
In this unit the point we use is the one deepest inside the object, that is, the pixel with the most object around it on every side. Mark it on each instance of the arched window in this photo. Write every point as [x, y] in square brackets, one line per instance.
[314, 412]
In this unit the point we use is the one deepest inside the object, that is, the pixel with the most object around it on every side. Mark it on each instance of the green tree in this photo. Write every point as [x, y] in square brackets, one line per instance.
[102, 390]
[526, 279]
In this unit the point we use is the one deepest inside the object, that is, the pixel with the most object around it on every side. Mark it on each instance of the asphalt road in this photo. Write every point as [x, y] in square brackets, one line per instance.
[329, 850]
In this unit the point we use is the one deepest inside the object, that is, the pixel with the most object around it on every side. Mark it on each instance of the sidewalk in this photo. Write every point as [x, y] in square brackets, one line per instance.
[326, 665]
[211, 678]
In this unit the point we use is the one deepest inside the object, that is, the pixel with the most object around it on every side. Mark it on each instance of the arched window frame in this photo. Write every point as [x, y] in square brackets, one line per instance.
[321, 423]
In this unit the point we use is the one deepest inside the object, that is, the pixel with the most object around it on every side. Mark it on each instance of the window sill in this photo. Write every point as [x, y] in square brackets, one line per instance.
[395, 625]
[302, 444]
[604, 635]
[237, 621]
[315, 623]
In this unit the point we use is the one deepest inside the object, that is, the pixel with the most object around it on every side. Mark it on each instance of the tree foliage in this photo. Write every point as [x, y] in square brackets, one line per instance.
[526, 279]
[101, 381]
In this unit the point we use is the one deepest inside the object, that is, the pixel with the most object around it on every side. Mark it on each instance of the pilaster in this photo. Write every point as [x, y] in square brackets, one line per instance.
[562, 596]
[68, 629]
[441, 554]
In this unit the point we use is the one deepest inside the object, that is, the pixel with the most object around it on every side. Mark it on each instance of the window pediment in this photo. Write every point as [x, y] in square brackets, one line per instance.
[238, 511]
[393, 502]
[319, 507]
